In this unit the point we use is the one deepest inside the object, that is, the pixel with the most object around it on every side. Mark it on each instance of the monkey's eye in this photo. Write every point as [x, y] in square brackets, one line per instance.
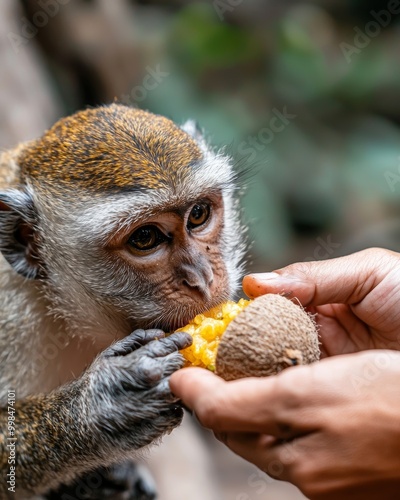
[146, 238]
[198, 215]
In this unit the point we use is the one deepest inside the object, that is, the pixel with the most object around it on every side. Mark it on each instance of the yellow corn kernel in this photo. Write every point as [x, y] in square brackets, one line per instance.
[206, 330]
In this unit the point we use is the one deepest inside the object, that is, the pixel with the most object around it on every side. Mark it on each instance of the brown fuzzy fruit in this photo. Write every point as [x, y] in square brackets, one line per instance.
[256, 338]
[270, 334]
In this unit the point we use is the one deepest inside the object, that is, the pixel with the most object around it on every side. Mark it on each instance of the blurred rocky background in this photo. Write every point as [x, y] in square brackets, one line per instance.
[304, 95]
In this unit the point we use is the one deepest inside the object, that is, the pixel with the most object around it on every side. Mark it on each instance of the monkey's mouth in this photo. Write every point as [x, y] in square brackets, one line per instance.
[181, 316]
[171, 326]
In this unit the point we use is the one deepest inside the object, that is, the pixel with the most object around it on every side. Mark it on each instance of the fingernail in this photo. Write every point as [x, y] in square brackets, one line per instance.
[269, 278]
[266, 276]
[272, 281]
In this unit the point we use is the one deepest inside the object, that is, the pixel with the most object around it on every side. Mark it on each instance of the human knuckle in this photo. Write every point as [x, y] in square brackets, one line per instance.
[288, 389]
[372, 251]
[378, 254]
[300, 268]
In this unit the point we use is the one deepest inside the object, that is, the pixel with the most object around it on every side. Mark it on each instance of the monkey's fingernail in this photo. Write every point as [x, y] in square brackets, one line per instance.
[155, 333]
[185, 340]
[177, 409]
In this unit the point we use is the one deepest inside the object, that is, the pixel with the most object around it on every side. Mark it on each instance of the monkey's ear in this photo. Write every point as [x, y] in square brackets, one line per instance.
[17, 233]
[192, 128]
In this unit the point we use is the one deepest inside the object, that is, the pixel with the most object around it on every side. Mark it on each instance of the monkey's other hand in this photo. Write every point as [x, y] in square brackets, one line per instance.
[129, 399]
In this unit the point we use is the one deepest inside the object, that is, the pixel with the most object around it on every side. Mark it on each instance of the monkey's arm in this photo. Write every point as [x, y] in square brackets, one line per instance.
[48, 431]
[119, 405]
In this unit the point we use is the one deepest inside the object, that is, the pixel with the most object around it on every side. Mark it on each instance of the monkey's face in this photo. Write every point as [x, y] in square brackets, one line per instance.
[176, 262]
[153, 259]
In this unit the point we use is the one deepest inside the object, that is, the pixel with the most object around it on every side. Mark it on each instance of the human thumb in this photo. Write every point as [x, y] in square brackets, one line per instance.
[344, 280]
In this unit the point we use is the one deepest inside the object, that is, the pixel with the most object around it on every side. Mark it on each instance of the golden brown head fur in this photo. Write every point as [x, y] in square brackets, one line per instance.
[118, 148]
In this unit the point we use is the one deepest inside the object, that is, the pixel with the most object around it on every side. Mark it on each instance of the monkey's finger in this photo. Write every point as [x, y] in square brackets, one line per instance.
[168, 345]
[133, 341]
[171, 363]
[150, 370]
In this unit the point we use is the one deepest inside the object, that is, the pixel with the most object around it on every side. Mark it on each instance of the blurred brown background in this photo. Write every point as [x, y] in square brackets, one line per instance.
[304, 95]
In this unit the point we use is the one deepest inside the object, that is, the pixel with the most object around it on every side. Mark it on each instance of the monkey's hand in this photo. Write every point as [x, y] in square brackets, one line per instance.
[128, 396]
[121, 403]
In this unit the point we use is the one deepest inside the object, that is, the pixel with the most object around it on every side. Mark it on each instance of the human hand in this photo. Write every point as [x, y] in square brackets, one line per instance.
[355, 298]
[331, 428]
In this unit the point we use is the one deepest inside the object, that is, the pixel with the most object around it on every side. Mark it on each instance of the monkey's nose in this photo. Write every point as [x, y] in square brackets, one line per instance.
[198, 279]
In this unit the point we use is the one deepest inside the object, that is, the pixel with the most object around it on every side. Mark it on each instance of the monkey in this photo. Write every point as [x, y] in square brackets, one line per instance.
[116, 226]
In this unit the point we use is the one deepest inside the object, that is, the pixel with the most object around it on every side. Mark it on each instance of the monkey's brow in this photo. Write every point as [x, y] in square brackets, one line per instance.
[142, 212]
[177, 209]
